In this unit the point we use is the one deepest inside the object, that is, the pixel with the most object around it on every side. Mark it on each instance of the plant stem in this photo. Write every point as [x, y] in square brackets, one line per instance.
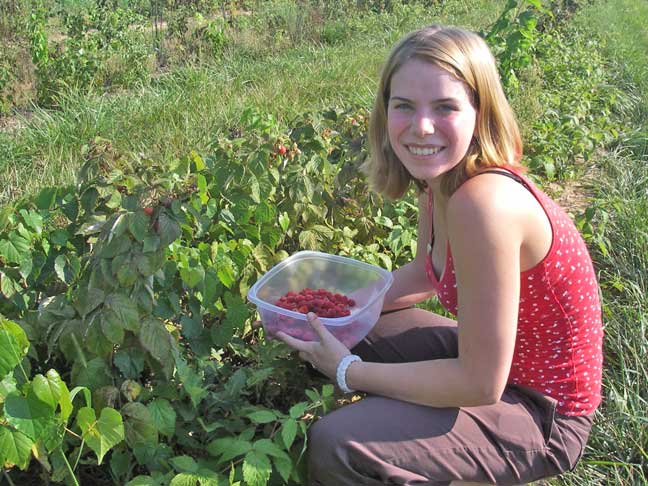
[76, 463]
[69, 468]
[73, 434]
[6, 475]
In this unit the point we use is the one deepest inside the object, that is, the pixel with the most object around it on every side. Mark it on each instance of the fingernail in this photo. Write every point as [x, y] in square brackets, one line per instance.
[310, 316]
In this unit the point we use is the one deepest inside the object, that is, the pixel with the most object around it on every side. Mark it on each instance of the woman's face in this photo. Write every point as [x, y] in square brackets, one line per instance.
[430, 119]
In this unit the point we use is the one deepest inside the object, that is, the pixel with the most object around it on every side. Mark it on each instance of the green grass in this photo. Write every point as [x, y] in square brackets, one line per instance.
[186, 108]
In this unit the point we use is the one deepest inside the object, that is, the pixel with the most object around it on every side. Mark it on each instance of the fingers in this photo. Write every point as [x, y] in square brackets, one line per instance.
[317, 325]
[294, 343]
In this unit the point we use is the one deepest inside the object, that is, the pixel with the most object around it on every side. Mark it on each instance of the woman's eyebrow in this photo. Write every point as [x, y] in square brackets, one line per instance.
[439, 100]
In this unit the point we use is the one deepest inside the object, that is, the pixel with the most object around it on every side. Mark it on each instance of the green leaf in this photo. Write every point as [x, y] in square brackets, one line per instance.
[15, 448]
[192, 382]
[125, 310]
[139, 427]
[284, 221]
[264, 213]
[88, 299]
[103, 434]
[67, 267]
[96, 374]
[284, 466]
[297, 410]
[7, 386]
[156, 340]
[289, 432]
[127, 275]
[184, 464]
[163, 416]
[14, 248]
[28, 414]
[151, 243]
[13, 345]
[202, 478]
[256, 469]
[138, 225]
[228, 448]
[308, 240]
[266, 446]
[192, 275]
[33, 220]
[130, 362]
[168, 229]
[112, 327]
[61, 392]
[262, 416]
[8, 286]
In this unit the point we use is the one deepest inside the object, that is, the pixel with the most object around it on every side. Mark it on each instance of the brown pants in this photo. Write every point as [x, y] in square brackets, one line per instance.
[382, 441]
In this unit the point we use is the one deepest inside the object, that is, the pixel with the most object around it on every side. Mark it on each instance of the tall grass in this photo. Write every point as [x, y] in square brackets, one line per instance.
[186, 108]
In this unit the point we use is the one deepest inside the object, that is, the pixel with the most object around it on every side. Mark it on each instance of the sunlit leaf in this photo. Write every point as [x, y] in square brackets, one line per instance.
[103, 434]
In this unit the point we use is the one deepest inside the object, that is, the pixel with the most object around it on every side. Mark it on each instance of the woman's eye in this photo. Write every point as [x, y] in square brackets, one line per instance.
[447, 108]
[402, 106]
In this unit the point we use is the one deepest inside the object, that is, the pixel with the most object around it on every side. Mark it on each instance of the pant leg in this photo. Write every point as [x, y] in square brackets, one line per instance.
[409, 335]
[380, 441]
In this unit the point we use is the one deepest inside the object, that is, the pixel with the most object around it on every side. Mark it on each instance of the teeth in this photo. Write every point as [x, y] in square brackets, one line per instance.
[423, 151]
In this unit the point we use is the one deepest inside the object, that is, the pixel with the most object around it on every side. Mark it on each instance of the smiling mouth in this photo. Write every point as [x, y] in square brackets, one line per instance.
[423, 150]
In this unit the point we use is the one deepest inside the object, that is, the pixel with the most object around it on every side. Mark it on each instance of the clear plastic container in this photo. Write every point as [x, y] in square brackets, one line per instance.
[364, 283]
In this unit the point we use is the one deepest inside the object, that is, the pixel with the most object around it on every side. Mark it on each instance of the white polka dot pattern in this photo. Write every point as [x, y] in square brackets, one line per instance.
[558, 349]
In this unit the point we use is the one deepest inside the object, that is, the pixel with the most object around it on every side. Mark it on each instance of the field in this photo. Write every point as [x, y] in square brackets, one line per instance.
[158, 156]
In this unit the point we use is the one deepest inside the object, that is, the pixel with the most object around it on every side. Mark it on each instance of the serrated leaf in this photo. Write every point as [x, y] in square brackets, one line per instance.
[168, 229]
[88, 299]
[14, 248]
[138, 425]
[33, 220]
[256, 469]
[151, 243]
[184, 464]
[297, 410]
[163, 416]
[15, 448]
[284, 466]
[197, 479]
[193, 275]
[284, 221]
[156, 340]
[67, 267]
[125, 309]
[308, 240]
[264, 213]
[228, 448]
[103, 434]
[138, 225]
[289, 432]
[130, 362]
[8, 286]
[262, 416]
[111, 327]
[13, 346]
[127, 275]
[266, 446]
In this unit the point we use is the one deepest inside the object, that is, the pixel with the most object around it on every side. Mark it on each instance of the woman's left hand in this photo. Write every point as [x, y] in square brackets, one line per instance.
[324, 355]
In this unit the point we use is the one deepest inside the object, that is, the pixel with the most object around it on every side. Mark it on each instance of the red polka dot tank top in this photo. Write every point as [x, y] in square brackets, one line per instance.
[558, 348]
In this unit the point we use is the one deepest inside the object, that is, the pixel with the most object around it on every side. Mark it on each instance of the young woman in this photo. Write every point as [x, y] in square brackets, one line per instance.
[505, 393]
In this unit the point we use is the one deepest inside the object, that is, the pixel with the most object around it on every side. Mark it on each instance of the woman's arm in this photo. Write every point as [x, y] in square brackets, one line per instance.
[486, 231]
[411, 284]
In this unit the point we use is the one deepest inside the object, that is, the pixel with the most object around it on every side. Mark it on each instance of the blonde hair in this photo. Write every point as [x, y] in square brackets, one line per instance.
[466, 56]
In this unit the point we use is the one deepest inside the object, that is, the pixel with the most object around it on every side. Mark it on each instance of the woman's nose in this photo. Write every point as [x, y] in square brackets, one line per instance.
[423, 124]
